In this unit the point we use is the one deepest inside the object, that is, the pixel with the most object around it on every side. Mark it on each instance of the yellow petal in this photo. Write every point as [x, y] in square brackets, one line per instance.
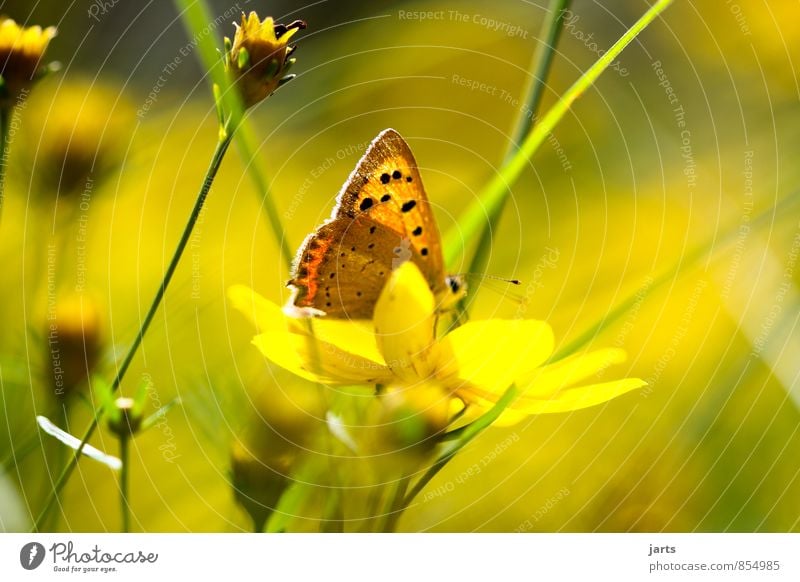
[576, 398]
[404, 324]
[549, 379]
[353, 336]
[320, 358]
[262, 313]
[319, 361]
[566, 401]
[483, 358]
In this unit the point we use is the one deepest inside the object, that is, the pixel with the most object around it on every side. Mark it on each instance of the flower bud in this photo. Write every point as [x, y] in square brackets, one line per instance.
[128, 419]
[258, 58]
[73, 343]
[259, 481]
[21, 52]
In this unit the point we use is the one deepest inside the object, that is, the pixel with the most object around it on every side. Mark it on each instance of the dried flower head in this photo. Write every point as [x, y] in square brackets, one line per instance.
[258, 58]
[77, 139]
[73, 343]
[259, 480]
[21, 51]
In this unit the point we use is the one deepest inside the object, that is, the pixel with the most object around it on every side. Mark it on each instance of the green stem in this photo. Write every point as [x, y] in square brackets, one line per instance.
[196, 15]
[245, 142]
[216, 160]
[468, 433]
[5, 119]
[497, 190]
[541, 63]
[396, 506]
[124, 482]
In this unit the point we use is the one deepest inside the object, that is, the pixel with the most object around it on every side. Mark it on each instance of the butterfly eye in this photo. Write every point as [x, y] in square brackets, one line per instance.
[454, 283]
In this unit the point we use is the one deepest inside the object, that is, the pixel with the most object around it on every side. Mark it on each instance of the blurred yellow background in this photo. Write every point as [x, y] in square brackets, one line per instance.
[683, 152]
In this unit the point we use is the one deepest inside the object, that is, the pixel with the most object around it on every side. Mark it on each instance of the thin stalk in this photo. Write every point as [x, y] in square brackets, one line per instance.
[469, 433]
[397, 505]
[245, 143]
[540, 65]
[216, 161]
[5, 119]
[124, 482]
[196, 15]
[497, 190]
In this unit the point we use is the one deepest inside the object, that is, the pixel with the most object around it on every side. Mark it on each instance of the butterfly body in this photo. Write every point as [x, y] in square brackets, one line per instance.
[382, 218]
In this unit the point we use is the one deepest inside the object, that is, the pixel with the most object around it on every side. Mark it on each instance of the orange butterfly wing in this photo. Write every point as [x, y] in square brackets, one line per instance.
[382, 218]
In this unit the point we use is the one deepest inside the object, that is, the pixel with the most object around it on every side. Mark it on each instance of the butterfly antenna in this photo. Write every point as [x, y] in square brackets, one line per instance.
[484, 276]
[499, 284]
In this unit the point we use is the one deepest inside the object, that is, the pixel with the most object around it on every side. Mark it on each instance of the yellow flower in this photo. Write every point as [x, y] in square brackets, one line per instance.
[258, 58]
[21, 51]
[474, 364]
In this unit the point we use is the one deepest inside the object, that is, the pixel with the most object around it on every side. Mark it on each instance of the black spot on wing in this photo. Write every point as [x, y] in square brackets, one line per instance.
[408, 205]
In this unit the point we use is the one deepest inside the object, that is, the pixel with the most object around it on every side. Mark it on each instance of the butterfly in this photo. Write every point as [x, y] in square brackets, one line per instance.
[382, 218]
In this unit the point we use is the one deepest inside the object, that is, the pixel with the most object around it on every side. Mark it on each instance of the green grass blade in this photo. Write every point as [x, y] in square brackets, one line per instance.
[540, 65]
[497, 190]
[246, 144]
